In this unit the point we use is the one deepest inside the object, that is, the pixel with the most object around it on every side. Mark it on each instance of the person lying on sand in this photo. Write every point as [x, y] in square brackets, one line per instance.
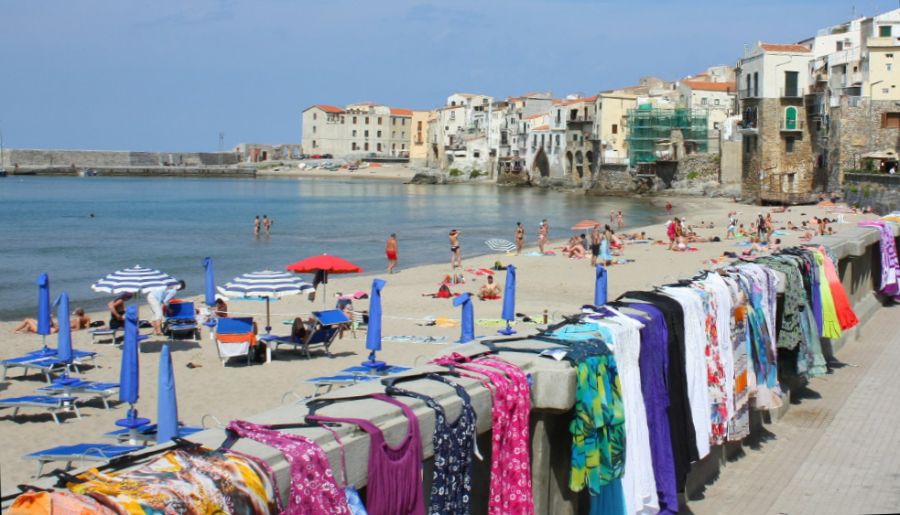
[490, 289]
[443, 291]
[78, 322]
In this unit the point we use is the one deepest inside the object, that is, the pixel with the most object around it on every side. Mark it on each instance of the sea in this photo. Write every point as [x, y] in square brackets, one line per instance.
[78, 229]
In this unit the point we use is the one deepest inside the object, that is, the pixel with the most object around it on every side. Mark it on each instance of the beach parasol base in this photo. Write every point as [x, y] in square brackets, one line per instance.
[508, 331]
[373, 363]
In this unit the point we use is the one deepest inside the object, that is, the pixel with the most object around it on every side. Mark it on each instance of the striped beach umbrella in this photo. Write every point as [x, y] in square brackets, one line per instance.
[499, 245]
[135, 279]
[266, 285]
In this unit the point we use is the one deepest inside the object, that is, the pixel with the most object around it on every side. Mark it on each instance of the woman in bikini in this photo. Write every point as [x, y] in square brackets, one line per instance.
[455, 254]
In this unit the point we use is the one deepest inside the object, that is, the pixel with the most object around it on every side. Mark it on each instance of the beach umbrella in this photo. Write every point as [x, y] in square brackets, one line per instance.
[373, 333]
[267, 285]
[600, 295]
[64, 336]
[468, 317]
[136, 279]
[43, 319]
[167, 402]
[499, 245]
[210, 282]
[585, 224]
[129, 374]
[509, 300]
[322, 266]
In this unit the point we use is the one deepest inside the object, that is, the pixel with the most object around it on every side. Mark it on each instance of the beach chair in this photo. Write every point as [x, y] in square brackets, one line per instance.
[103, 391]
[46, 364]
[51, 403]
[96, 452]
[325, 328]
[181, 321]
[360, 321]
[234, 337]
[352, 375]
[102, 333]
[146, 435]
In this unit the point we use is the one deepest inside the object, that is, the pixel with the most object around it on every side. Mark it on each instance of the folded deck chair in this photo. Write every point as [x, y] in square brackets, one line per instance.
[46, 364]
[103, 391]
[326, 326]
[234, 337]
[80, 452]
[181, 321]
[146, 435]
[51, 403]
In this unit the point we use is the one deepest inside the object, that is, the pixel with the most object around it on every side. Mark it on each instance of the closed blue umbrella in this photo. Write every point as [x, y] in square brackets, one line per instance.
[468, 317]
[167, 402]
[509, 300]
[600, 295]
[210, 281]
[64, 336]
[373, 333]
[43, 318]
[129, 375]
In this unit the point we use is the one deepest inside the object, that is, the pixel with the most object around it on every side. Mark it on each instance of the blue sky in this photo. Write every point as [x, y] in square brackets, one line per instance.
[172, 74]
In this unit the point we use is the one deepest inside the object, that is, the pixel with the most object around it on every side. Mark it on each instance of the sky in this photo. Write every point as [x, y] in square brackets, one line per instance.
[170, 75]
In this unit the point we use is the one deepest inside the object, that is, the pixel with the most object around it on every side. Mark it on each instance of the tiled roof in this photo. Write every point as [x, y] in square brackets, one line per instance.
[709, 86]
[539, 115]
[773, 47]
[570, 101]
[541, 128]
[398, 111]
[329, 109]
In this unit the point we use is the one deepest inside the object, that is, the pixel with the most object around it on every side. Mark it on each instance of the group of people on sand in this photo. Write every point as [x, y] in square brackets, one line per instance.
[79, 321]
[265, 224]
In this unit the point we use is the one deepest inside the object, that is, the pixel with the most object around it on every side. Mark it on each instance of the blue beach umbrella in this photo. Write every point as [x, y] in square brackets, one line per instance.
[373, 334]
[167, 402]
[43, 319]
[129, 374]
[210, 281]
[600, 295]
[468, 317]
[64, 336]
[509, 300]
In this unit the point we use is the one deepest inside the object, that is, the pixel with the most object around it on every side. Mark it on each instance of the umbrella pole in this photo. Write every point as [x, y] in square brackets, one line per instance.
[268, 322]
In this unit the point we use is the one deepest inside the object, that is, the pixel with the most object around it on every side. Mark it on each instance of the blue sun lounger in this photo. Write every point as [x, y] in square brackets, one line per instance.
[181, 320]
[327, 325]
[101, 452]
[51, 403]
[147, 434]
[352, 375]
[44, 363]
[102, 390]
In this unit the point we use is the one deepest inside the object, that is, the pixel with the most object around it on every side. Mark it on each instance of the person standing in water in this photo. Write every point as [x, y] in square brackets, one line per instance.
[520, 237]
[620, 219]
[455, 254]
[267, 224]
[256, 226]
[543, 234]
[390, 250]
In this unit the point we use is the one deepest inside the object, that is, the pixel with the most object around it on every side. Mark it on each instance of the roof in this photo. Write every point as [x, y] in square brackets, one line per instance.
[775, 47]
[328, 108]
[399, 111]
[539, 115]
[570, 101]
[541, 128]
[710, 86]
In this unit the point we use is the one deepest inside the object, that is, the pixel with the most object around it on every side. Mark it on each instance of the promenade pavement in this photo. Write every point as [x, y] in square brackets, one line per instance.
[837, 450]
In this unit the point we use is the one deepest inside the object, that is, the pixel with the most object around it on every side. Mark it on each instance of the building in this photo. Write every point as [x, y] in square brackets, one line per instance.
[418, 137]
[611, 111]
[717, 99]
[361, 130]
[323, 130]
[777, 157]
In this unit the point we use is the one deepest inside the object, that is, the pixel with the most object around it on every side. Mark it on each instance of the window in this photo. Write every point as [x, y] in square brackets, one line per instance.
[615, 128]
[890, 121]
[715, 125]
[314, 143]
[889, 66]
[789, 144]
[353, 146]
[354, 120]
[755, 84]
[379, 120]
[379, 147]
[791, 81]
[557, 139]
[314, 129]
[884, 31]
[367, 120]
[403, 146]
[393, 146]
[366, 146]
[402, 121]
[403, 134]
[393, 121]
[393, 134]
[354, 133]
[314, 116]
[342, 119]
[378, 134]
[889, 56]
[790, 118]
[476, 154]
[366, 133]
[419, 125]
[839, 45]
[452, 115]
[716, 102]
[557, 117]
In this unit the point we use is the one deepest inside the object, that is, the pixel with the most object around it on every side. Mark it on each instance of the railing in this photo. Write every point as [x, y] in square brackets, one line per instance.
[792, 92]
[792, 125]
[749, 93]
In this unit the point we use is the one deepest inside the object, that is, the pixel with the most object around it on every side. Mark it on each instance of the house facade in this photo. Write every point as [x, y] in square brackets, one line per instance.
[357, 131]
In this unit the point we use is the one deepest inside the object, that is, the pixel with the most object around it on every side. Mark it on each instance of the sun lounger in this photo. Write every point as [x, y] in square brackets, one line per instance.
[326, 327]
[46, 364]
[101, 390]
[352, 375]
[80, 452]
[181, 320]
[234, 337]
[101, 333]
[146, 435]
[51, 403]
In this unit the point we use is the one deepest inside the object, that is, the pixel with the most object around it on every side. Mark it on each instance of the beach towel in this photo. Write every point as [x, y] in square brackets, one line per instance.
[434, 340]
[446, 322]
[743, 244]
[492, 322]
[480, 271]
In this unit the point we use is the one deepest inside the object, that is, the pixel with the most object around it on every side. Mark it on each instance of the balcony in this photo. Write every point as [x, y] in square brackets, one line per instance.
[792, 92]
[580, 119]
[749, 93]
[792, 125]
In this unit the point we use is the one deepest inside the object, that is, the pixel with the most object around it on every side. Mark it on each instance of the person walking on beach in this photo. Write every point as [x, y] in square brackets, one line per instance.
[390, 250]
[158, 298]
[620, 220]
[267, 224]
[543, 234]
[520, 237]
[455, 254]
[612, 216]
[668, 208]
[732, 227]
[595, 244]
[256, 226]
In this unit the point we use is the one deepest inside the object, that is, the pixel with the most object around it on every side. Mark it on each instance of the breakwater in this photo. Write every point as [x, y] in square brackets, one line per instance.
[124, 163]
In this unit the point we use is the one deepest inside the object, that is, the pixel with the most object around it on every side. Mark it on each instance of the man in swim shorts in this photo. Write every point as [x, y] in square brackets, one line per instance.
[390, 250]
[595, 244]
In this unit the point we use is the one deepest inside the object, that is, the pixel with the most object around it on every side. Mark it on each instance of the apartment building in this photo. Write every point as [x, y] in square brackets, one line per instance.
[358, 130]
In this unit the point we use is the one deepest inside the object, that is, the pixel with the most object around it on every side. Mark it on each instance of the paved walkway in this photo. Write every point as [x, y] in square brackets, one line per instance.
[835, 451]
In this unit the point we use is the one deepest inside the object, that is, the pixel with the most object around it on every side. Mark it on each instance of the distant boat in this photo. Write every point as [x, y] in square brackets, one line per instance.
[87, 172]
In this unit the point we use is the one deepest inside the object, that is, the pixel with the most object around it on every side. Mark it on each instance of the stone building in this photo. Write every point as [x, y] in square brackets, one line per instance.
[357, 131]
[777, 160]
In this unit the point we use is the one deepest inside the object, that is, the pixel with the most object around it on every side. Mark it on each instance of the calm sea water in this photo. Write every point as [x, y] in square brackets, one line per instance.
[172, 223]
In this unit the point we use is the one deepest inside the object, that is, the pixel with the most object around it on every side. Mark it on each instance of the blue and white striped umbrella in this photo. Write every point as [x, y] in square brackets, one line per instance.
[134, 279]
[266, 284]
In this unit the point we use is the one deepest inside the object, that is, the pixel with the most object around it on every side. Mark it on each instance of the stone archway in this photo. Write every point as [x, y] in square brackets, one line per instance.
[590, 159]
[541, 164]
[569, 163]
[579, 167]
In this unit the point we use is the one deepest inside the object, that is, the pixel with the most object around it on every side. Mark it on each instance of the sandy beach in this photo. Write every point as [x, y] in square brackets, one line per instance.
[390, 171]
[553, 283]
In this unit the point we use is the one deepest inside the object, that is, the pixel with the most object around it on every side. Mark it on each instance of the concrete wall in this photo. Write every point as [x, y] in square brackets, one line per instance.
[856, 130]
[879, 191]
[730, 165]
[37, 159]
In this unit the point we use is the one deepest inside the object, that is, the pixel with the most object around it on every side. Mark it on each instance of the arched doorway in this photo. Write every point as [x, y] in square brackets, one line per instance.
[579, 166]
[541, 164]
[569, 163]
[590, 159]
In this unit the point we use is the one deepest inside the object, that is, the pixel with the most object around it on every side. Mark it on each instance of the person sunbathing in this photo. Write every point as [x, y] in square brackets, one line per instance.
[808, 235]
[489, 290]
[575, 249]
[442, 293]
[30, 325]
[80, 321]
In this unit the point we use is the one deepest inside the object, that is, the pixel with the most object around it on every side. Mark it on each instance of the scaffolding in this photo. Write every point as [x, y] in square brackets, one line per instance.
[650, 128]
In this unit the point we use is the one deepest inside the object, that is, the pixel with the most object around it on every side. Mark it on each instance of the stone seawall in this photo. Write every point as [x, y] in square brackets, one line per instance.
[40, 159]
[144, 171]
[881, 192]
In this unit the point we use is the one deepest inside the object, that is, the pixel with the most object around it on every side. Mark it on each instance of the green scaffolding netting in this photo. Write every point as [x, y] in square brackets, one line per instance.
[649, 126]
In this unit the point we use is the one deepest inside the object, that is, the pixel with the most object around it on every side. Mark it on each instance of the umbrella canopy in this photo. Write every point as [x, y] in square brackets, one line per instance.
[210, 290]
[373, 334]
[64, 336]
[325, 263]
[585, 224]
[129, 374]
[43, 318]
[266, 285]
[134, 279]
[167, 402]
[499, 245]
[468, 317]
[600, 295]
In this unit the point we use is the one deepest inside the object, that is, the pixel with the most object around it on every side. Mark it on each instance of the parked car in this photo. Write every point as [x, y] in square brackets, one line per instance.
[327, 156]
[304, 156]
[316, 156]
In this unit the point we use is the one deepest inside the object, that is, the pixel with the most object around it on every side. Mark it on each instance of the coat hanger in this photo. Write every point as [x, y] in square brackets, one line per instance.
[393, 381]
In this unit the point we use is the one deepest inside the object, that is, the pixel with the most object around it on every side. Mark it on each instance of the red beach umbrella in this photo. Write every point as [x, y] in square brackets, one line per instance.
[585, 224]
[324, 265]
